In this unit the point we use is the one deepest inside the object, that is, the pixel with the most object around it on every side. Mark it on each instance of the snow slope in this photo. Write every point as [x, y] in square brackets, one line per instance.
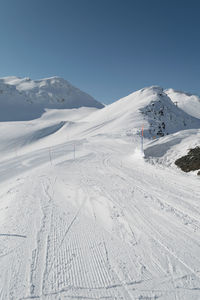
[187, 102]
[26, 99]
[84, 216]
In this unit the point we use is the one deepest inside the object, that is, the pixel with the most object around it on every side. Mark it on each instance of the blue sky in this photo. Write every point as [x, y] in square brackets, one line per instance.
[108, 48]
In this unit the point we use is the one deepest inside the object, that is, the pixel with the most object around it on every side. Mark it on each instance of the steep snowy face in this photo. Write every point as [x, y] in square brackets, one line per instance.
[187, 102]
[165, 117]
[25, 99]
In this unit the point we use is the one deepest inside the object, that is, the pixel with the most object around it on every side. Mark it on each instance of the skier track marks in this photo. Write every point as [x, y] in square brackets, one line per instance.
[13, 235]
[115, 284]
[38, 265]
[157, 233]
[81, 253]
[65, 234]
[149, 228]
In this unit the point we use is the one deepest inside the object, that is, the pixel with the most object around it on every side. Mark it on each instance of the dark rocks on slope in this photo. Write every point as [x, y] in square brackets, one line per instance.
[191, 161]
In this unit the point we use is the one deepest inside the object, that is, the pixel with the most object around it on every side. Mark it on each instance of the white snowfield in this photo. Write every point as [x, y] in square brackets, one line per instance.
[84, 216]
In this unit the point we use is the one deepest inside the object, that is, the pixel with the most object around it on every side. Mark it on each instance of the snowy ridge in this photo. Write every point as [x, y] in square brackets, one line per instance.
[25, 99]
[149, 107]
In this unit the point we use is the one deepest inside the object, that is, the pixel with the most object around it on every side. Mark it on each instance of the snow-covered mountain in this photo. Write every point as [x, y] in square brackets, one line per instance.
[150, 107]
[25, 99]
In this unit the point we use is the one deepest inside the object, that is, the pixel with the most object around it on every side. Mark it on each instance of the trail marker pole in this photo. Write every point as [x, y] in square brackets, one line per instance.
[50, 156]
[142, 148]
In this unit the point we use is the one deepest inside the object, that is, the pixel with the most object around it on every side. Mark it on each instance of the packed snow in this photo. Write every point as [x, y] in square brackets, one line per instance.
[85, 214]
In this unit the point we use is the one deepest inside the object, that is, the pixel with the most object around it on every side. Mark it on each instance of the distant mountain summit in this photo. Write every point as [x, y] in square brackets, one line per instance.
[26, 99]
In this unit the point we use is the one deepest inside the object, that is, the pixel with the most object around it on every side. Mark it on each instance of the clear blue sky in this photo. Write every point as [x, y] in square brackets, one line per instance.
[108, 48]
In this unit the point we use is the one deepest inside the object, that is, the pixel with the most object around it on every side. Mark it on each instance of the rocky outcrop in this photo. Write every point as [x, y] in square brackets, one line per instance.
[190, 162]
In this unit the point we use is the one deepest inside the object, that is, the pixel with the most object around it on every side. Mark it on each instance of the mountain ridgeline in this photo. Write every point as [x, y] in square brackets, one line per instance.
[24, 99]
[161, 112]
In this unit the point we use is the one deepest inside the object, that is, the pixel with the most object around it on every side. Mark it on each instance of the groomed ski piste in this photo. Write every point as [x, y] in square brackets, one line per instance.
[85, 215]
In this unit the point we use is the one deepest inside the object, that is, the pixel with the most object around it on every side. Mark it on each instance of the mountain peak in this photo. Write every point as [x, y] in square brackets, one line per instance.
[25, 99]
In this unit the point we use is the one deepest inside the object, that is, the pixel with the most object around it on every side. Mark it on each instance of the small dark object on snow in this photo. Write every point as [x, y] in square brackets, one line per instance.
[191, 161]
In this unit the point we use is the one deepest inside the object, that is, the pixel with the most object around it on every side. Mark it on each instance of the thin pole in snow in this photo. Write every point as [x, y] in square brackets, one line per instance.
[50, 156]
[142, 148]
[74, 151]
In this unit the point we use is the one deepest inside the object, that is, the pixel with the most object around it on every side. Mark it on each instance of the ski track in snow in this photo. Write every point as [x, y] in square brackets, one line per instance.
[106, 225]
[81, 254]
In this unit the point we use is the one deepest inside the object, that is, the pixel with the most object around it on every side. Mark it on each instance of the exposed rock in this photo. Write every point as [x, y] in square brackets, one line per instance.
[191, 161]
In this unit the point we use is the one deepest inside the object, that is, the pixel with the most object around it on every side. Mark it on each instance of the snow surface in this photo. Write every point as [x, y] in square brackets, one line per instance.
[187, 102]
[83, 215]
[26, 99]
